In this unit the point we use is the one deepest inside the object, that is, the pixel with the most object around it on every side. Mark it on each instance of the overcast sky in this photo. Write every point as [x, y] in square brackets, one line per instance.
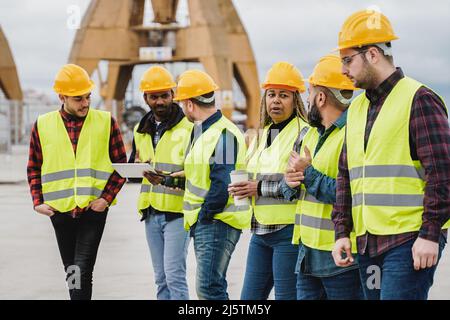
[297, 31]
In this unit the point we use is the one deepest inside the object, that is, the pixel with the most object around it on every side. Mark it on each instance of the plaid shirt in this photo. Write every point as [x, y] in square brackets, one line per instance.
[267, 189]
[73, 125]
[429, 143]
[160, 127]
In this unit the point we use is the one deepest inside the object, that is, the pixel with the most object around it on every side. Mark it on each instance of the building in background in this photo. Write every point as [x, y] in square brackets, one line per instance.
[11, 97]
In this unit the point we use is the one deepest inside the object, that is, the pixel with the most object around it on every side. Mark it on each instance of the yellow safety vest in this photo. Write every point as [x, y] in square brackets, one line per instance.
[269, 164]
[168, 157]
[197, 170]
[313, 224]
[387, 186]
[69, 180]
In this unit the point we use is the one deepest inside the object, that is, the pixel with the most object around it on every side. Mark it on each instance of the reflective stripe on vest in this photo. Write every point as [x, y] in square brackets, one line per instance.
[387, 185]
[197, 170]
[168, 167]
[161, 189]
[314, 222]
[388, 200]
[199, 192]
[387, 171]
[55, 176]
[70, 181]
[168, 157]
[383, 171]
[313, 225]
[229, 208]
[269, 164]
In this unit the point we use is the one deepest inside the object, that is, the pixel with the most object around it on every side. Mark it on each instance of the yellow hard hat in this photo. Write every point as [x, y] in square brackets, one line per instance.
[72, 81]
[327, 73]
[194, 83]
[284, 75]
[157, 79]
[364, 28]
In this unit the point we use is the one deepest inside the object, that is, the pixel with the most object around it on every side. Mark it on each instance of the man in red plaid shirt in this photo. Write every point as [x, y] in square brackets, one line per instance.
[393, 184]
[71, 176]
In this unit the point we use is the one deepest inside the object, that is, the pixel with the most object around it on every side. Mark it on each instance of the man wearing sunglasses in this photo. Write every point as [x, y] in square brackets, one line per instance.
[393, 184]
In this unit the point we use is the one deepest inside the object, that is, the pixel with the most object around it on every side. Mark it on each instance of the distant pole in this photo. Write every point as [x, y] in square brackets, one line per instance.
[114, 108]
[28, 120]
[16, 122]
[8, 128]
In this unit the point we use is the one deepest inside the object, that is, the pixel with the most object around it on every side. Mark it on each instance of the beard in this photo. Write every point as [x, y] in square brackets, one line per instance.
[314, 117]
[162, 111]
[367, 78]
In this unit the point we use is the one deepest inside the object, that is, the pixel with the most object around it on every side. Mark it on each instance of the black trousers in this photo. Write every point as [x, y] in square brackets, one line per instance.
[78, 242]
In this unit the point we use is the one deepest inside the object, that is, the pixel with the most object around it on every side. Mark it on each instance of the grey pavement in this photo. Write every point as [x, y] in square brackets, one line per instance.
[13, 165]
[31, 268]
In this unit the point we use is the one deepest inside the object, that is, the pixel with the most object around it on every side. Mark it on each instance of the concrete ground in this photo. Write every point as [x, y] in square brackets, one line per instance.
[30, 265]
[31, 268]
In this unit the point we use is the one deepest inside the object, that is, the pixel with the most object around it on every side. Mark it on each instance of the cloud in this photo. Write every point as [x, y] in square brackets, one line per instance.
[303, 31]
[298, 31]
[39, 38]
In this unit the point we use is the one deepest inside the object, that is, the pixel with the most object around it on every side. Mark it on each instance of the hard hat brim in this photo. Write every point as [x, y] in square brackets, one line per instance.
[185, 96]
[359, 45]
[267, 86]
[145, 90]
[75, 93]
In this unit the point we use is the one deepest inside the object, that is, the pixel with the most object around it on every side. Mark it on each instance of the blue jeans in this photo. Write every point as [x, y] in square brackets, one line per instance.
[214, 244]
[399, 280]
[343, 286]
[168, 243]
[271, 263]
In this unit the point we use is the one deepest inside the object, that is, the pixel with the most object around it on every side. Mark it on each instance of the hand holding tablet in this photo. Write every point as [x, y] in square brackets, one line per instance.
[133, 170]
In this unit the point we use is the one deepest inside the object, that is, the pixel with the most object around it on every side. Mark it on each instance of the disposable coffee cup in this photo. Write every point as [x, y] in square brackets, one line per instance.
[239, 176]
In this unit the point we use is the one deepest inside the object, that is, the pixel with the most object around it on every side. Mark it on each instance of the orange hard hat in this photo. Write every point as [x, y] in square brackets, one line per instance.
[284, 75]
[72, 81]
[194, 83]
[365, 27]
[157, 79]
[327, 73]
